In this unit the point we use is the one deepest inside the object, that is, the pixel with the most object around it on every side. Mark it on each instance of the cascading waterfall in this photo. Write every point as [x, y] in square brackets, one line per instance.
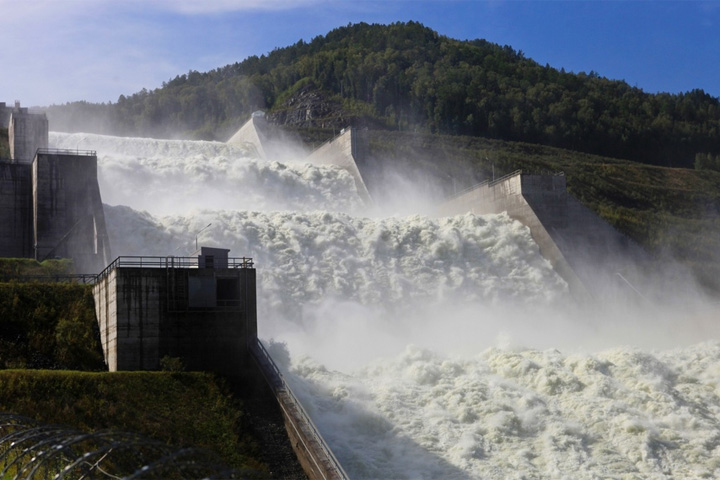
[427, 348]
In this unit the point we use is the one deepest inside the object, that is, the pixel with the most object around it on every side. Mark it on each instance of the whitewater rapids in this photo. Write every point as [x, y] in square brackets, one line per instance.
[427, 348]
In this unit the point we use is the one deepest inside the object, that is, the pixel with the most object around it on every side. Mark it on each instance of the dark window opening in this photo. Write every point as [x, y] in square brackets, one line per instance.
[201, 292]
[228, 292]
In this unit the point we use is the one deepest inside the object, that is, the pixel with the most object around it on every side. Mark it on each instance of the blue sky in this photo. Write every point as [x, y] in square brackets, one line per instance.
[55, 51]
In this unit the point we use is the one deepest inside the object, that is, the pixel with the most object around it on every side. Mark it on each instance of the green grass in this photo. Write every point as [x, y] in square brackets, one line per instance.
[180, 409]
[14, 267]
[52, 326]
[48, 325]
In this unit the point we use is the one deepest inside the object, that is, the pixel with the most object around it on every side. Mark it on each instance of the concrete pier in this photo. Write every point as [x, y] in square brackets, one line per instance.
[345, 151]
[16, 210]
[68, 216]
[26, 133]
[594, 258]
[584, 249]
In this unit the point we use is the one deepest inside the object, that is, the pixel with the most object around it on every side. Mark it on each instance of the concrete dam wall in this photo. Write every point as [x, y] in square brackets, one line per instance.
[16, 210]
[51, 208]
[268, 141]
[68, 216]
[594, 258]
[347, 150]
[50, 204]
[586, 251]
[253, 133]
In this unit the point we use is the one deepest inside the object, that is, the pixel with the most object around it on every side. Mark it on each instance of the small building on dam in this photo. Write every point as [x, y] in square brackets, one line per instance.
[200, 309]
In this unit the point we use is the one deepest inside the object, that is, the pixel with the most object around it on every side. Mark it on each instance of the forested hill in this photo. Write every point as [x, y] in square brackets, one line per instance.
[407, 77]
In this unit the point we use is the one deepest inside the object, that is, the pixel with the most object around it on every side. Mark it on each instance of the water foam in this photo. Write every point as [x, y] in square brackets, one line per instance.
[421, 347]
[175, 176]
[622, 413]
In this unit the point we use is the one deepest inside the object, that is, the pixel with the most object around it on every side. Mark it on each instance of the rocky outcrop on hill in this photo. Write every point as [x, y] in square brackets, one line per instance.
[309, 107]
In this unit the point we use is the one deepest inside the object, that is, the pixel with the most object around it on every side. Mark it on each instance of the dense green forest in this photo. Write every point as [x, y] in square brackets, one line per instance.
[407, 77]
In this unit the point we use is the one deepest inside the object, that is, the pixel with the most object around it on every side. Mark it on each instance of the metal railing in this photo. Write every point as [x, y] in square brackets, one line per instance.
[171, 262]
[85, 278]
[65, 151]
[278, 384]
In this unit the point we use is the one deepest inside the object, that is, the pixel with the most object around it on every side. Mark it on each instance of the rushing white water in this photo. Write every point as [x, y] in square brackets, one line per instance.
[173, 176]
[427, 348]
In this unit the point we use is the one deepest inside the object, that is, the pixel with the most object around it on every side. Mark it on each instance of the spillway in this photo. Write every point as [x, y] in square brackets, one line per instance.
[427, 348]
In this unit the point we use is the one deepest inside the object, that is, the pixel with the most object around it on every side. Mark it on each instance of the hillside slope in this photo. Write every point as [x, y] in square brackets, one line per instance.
[674, 213]
[407, 77]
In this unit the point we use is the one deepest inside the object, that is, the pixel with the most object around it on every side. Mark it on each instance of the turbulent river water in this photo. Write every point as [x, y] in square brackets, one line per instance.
[428, 348]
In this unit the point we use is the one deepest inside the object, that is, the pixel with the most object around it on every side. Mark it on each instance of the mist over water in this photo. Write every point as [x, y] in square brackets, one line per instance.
[428, 348]
[175, 176]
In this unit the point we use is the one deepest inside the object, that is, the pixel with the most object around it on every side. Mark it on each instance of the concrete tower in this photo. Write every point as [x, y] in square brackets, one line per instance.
[27, 132]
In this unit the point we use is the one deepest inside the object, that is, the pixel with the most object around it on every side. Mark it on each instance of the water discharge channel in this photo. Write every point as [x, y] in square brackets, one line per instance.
[428, 348]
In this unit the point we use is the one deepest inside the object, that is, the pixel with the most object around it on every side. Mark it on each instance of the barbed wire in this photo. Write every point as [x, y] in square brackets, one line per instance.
[31, 450]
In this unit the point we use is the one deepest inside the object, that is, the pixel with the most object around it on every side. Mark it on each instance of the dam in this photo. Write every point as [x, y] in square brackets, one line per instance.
[590, 255]
[424, 347]
[201, 310]
[584, 249]
[273, 233]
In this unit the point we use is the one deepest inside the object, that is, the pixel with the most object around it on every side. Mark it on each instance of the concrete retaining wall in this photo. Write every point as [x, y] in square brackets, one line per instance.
[312, 452]
[68, 216]
[16, 213]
